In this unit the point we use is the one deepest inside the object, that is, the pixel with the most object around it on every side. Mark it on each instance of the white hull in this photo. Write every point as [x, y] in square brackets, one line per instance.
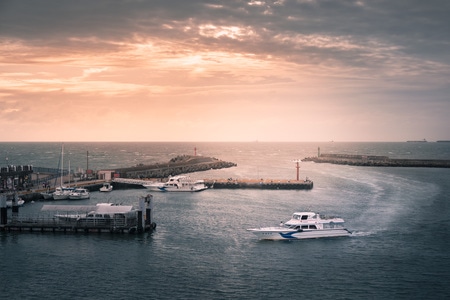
[79, 194]
[280, 233]
[60, 196]
[177, 184]
[183, 189]
[81, 197]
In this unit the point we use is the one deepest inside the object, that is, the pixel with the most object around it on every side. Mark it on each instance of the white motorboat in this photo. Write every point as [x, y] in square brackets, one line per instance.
[178, 184]
[79, 194]
[62, 193]
[107, 187]
[304, 225]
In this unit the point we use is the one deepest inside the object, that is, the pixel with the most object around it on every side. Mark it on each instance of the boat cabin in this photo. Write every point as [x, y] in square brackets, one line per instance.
[303, 216]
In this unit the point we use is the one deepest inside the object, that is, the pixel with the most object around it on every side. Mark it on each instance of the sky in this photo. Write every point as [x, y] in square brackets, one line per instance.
[178, 70]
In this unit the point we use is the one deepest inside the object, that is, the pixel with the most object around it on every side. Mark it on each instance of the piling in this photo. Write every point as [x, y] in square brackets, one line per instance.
[3, 210]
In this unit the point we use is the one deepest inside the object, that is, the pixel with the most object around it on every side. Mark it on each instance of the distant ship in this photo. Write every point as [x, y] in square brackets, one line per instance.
[418, 141]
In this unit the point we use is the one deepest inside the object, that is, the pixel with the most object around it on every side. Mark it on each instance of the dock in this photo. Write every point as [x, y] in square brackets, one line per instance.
[81, 218]
[262, 184]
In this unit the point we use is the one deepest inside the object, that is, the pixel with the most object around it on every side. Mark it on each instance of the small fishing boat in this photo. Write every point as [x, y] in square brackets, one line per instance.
[304, 225]
[107, 187]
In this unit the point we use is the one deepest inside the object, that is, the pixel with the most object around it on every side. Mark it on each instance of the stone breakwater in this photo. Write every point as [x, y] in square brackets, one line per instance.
[377, 161]
[176, 166]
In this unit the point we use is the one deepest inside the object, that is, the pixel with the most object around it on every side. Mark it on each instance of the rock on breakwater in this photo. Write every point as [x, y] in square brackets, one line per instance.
[178, 165]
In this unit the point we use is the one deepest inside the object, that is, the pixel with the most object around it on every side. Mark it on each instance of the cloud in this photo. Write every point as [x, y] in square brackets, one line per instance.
[337, 59]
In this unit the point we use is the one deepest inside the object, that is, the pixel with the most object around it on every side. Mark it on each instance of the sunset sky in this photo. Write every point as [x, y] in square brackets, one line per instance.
[191, 70]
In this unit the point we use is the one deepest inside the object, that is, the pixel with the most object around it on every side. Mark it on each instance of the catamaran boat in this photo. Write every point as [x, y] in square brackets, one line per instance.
[107, 187]
[178, 184]
[79, 194]
[304, 225]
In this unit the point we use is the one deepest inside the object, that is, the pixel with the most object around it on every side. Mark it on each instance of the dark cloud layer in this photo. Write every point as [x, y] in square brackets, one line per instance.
[415, 27]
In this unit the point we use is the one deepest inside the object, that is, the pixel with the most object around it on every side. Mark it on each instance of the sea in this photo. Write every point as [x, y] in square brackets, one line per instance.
[200, 249]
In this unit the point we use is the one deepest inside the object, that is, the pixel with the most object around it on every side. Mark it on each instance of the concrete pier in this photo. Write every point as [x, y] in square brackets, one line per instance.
[263, 184]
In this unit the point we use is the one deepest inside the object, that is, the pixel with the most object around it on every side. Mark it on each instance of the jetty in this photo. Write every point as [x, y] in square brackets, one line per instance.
[98, 218]
[262, 184]
[377, 161]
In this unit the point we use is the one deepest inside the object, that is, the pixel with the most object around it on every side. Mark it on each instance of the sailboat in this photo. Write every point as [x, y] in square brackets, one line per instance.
[62, 192]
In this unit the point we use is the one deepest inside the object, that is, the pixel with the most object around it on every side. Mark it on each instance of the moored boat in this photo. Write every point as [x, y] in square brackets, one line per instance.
[179, 183]
[107, 187]
[62, 193]
[79, 194]
[304, 225]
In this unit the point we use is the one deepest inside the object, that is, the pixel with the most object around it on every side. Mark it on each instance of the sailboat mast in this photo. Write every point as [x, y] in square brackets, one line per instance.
[62, 165]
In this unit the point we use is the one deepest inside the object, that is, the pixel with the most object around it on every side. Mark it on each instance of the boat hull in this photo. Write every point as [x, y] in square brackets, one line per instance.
[281, 233]
[183, 189]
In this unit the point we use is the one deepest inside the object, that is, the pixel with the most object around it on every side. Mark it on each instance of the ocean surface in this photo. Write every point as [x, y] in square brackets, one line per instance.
[400, 219]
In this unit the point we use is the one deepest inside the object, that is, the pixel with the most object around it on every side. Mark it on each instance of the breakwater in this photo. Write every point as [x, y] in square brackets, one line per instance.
[267, 184]
[176, 166]
[377, 161]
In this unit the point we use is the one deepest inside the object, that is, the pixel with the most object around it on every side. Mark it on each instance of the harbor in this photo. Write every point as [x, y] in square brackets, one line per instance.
[25, 184]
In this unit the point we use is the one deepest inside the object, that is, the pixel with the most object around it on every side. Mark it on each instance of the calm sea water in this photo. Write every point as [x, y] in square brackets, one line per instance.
[201, 249]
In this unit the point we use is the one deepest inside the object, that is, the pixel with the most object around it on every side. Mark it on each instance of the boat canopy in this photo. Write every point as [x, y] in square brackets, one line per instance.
[101, 209]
